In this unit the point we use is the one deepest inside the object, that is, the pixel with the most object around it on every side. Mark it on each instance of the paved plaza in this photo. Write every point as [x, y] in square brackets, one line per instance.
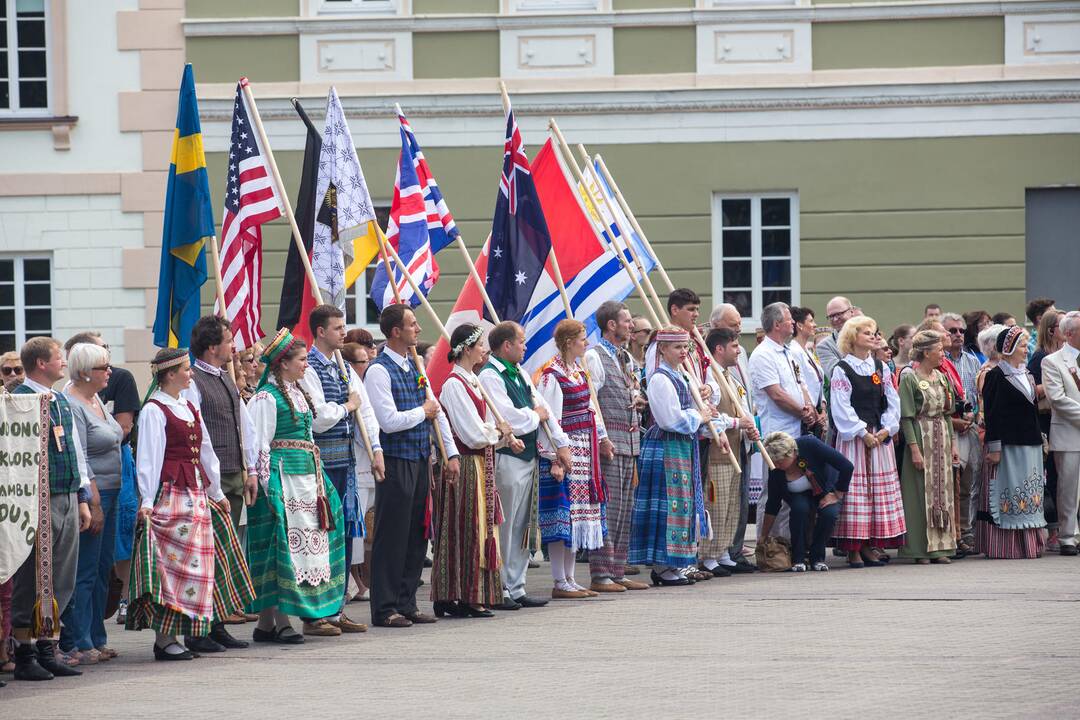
[978, 639]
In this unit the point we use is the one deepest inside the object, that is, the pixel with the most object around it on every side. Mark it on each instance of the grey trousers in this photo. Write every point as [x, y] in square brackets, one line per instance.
[1068, 495]
[65, 561]
[969, 449]
[515, 480]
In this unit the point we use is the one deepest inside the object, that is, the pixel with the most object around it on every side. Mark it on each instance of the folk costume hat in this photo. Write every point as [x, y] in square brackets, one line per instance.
[1008, 340]
[275, 350]
[668, 335]
[165, 359]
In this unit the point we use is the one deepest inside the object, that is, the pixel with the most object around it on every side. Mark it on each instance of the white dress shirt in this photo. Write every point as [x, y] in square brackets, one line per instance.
[666, 409]
[80, 455]
[522, 420]
[848, 424]
[192, 393]
[725, 421]
[329, 414]
[389, 418]
[770, 364]
[150, 455]
[474, 431]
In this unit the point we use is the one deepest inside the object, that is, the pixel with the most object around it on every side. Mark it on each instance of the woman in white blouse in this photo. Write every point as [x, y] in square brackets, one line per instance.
[465, 570]
[866, 413]
[185, 543]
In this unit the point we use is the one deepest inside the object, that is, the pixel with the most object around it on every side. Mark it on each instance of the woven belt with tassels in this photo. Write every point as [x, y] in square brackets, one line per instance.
[326, 517]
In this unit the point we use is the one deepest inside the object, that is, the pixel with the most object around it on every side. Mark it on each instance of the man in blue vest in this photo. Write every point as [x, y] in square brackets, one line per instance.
[397, 389]
[517, 476]
[69, 502]
[336, 398]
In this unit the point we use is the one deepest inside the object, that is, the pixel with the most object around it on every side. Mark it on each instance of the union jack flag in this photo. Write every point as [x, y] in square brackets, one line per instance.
[251, 199]
[514, 161]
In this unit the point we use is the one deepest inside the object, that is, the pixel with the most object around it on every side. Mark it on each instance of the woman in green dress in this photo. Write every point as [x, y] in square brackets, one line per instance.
[296, 548]
[926, 478]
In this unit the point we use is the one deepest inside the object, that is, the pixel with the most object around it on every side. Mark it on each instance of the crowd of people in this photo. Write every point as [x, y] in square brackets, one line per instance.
[291, 481]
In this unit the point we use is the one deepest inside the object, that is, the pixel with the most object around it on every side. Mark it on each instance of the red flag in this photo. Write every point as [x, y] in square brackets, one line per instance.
[469, 308]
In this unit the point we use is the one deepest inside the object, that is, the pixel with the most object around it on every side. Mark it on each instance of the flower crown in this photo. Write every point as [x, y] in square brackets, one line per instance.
[467, 342]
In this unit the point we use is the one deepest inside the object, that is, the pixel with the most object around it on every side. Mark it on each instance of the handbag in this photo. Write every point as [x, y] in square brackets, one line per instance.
[773, 554]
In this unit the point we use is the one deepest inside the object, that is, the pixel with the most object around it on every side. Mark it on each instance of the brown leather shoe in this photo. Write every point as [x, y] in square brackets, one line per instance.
[420, 618]
[346, 625]
[251, 617]
[632, 584]
[321, 628]
[235, 619]
[610, 587]
[559, 594]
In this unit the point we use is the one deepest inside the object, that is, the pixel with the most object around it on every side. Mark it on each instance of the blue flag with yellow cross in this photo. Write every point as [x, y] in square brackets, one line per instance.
[189, 223]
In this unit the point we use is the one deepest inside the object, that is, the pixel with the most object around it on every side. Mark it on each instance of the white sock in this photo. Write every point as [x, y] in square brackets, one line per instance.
[671, 574]
[569, 565]
[603, 581]
[726, 560]
[168, 643]
[710, 563]
[555, 552]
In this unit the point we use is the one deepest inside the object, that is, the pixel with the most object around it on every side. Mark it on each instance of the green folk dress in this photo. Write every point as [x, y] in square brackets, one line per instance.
[928, 494]
[295, 564]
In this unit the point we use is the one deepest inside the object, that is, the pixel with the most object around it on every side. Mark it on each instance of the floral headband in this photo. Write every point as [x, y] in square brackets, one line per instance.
[473, 338]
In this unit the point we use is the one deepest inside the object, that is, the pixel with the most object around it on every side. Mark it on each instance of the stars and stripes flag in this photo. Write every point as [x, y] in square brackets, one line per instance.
[420, 224]
[520, 240]
[251, 199]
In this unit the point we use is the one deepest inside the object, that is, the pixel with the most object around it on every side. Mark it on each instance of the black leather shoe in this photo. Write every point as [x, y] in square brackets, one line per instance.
[442, 608]
[529, 601]
[740, 567]
[282, 636]
[160, 654]
[222, 637]
[472, 612]
[658, 579]
[1069, 550]
[718, 571]
[203, 645]
[26, 664]
[46, 657]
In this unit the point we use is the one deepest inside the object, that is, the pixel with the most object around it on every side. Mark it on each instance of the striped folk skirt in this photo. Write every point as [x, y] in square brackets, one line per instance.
[991, 538]
[669, 514]
[173, 565]
[569, 512]
[873, 510]
[468, 512]
[233, 590]
[723, 501]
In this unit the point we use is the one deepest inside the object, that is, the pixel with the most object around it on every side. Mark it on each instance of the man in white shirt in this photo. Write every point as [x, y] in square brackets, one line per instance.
[517, 475]
[397, 389]
[1061, 379]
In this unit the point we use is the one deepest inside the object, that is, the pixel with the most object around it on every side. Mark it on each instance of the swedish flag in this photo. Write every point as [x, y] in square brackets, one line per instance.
[189, 222]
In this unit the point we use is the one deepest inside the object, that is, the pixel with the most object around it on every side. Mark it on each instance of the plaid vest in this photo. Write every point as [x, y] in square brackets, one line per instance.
[219, 406]
[414, 443]
[335, 445]
[620, 419]
[519, 395]
[63, 465]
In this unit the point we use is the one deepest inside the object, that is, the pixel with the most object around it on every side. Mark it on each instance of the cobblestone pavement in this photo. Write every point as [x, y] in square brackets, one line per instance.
[978, 638]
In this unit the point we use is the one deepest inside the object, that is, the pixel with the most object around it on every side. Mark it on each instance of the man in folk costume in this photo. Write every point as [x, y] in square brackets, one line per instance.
[517, 475]
[336, 399]
[609, 366]
[214, 394]
[35, 614]
[397, 390]
[724, 486]
[187, 567]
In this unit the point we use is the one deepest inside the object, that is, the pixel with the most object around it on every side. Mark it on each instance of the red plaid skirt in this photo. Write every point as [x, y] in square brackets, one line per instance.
[873, 510]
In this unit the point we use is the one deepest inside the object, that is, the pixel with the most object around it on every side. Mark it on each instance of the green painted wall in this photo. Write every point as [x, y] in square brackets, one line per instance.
[909, 43]
[893, 224]
[648, 50]
[650, 4]
[440, 7]
[456, 54]
[270, 58]
[242, 8]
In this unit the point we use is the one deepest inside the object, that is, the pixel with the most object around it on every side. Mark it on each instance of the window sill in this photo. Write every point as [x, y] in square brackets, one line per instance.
[59, 125]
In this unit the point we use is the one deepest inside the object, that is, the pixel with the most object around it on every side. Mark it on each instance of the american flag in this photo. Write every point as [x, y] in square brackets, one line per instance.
[250, 200]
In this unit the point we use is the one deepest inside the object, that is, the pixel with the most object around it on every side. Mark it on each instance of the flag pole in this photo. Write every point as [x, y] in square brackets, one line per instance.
[384, 245]
[297, 239]
[617, 250]
[718, 376]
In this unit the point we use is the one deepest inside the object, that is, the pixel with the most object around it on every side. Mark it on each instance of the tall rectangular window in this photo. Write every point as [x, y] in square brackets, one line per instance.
[755, 249]
[24, 76]
[360, 310]
[25, 300]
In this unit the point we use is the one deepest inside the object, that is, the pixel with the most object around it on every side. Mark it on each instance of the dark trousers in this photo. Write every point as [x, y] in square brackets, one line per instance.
[397, 552]
[65, 560]
[802, 506]
[339, 478]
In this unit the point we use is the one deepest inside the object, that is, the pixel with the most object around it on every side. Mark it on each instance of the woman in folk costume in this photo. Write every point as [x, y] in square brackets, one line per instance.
[296, 545]
[572, 510]
[1010, 521]
[926, 478]
[187, 567]
[465, 569]
[866, 414]
[669, 511]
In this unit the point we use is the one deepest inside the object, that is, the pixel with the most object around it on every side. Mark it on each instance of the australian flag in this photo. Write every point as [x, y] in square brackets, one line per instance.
[520, 241]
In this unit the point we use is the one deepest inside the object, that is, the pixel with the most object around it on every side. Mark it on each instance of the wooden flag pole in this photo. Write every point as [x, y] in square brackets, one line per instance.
[257, 120]
[594, 216]
[717, 373]
[384, 245]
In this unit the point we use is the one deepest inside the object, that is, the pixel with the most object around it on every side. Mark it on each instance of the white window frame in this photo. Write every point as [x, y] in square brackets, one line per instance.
[354, 7]
[13, 109]
[751, 324]
[19, 278]
[358, 293]
[514, 7]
